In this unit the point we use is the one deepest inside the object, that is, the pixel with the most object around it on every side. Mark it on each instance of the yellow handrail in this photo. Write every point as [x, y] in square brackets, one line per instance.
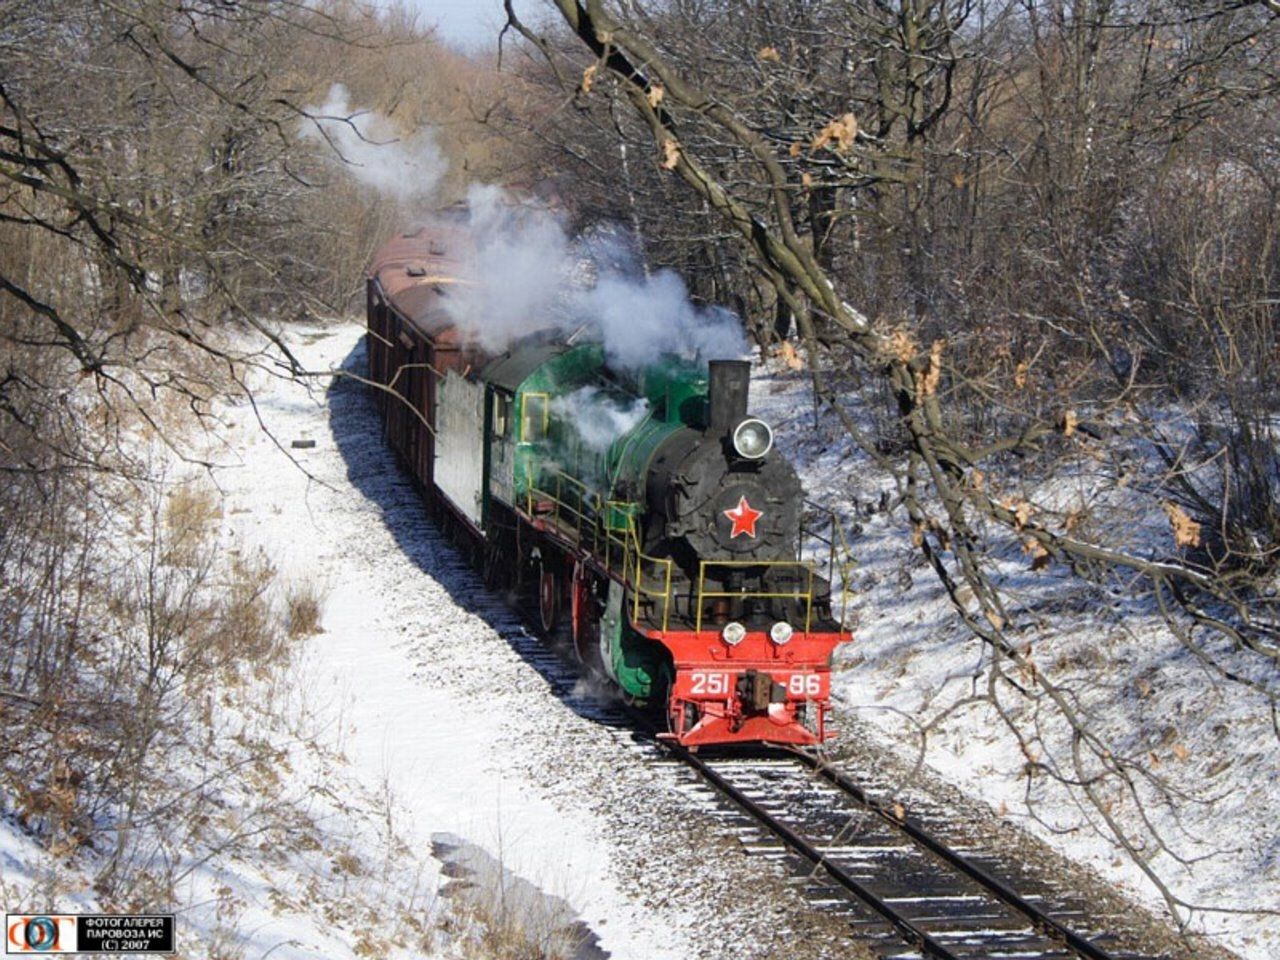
[586, 519]
[806, 595]
[637, 585]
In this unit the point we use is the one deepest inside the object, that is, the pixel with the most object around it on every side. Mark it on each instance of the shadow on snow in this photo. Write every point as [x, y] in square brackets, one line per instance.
[374, 470]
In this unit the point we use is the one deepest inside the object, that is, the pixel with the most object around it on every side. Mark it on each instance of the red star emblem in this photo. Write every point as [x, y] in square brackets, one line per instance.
[744, 519]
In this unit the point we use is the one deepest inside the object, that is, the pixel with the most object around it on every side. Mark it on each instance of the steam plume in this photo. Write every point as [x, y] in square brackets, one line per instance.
[368, 148]
[531, 276]
[599, 419]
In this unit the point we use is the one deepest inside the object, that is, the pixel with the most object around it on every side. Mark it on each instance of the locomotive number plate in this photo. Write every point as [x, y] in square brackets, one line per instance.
[720, 683]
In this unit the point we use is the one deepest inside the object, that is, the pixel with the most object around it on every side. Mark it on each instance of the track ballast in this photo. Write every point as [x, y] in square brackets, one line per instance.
[908, 893]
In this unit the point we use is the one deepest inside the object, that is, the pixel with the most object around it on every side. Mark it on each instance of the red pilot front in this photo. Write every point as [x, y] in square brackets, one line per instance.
[739, 685]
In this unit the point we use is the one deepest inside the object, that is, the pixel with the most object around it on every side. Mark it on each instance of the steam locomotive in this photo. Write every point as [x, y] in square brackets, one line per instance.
[646, 511]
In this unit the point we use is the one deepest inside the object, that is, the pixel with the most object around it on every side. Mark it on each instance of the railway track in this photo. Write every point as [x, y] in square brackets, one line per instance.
[899, 882]
[904, 893]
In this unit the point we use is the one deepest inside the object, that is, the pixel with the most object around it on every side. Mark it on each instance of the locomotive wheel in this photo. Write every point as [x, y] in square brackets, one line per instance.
[586, 622]
[548, 596]
[495, 574]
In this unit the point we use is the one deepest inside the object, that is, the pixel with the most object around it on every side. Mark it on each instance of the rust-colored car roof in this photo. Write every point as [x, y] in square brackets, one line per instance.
[415, 272]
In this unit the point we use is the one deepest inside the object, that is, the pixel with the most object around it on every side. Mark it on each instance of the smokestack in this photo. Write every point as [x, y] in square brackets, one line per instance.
[730, 381]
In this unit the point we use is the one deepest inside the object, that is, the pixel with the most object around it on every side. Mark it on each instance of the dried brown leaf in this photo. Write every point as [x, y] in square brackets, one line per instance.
[1035, 550]
[902, 346]
[932, 376]
[791, 356]
[1073, 520]
[1186, 532]
[1180, 751]
[841, 132]
[848, 132]
[670, 154]
[1020, 374]
[1020, 509]
[655, 95]
[768, 55]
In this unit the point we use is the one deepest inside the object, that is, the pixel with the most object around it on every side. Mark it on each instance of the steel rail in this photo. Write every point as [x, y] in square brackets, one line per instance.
[920, 836]
[905, 928]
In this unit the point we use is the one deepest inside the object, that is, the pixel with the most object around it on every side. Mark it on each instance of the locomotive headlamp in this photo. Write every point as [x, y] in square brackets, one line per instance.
[733, 633]
[781, 632]
[752, 438]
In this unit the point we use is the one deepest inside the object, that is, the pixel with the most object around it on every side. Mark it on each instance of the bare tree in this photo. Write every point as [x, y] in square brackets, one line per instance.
[160, 217]
[968, 171]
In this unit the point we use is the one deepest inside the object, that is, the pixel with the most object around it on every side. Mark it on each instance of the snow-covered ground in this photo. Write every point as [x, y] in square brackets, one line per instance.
[429, 702]
[421, 733]
[911, 659]
[293, 857]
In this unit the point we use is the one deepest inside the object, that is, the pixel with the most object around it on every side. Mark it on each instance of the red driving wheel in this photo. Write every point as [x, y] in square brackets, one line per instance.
[582, 613]
[548, 597]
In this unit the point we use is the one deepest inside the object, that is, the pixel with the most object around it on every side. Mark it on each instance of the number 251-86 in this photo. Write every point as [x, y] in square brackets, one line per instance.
[718, 684]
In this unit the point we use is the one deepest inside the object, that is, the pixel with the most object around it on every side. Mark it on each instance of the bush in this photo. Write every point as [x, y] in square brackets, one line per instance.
[303, 606]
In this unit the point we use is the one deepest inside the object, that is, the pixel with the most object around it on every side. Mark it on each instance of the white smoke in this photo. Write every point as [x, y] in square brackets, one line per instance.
[366, 145]
[599, 418]
[530, 276]
[639, 318]
[520, 263]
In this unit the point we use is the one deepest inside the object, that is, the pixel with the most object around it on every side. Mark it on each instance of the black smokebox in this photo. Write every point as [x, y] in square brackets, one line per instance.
[730, 381]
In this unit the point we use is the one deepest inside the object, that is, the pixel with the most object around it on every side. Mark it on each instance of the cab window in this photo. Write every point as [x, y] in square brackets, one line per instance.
[501, 415]
[536, 411]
